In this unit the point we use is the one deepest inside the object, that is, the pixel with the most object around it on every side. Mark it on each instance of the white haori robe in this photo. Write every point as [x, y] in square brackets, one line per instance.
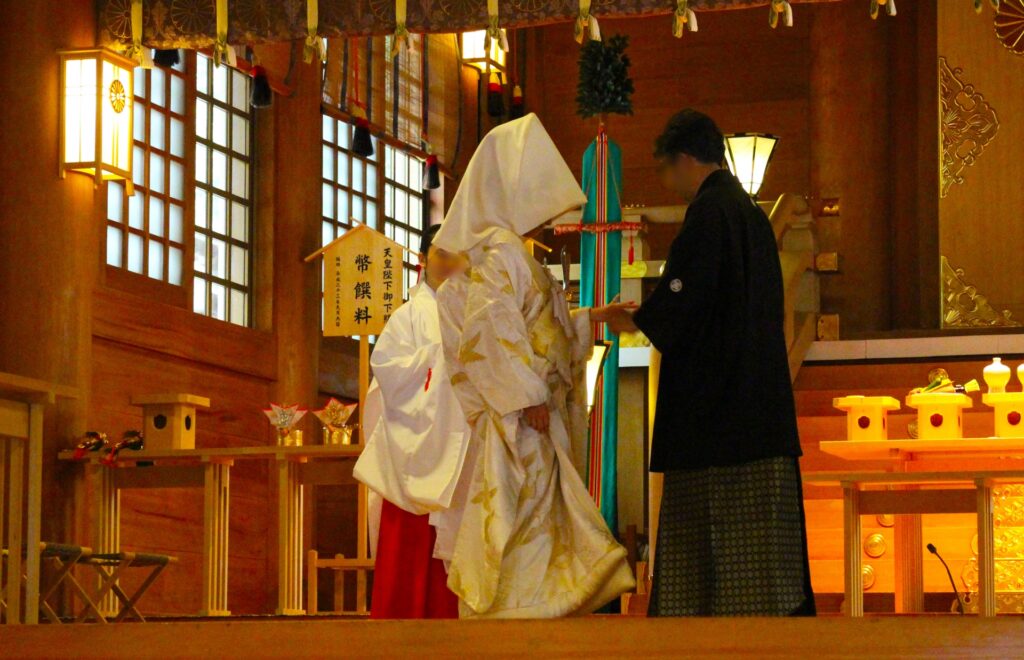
[532, 543]
[417, 432]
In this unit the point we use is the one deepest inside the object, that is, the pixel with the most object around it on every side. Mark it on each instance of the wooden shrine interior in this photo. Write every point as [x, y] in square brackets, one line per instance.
[855, 102]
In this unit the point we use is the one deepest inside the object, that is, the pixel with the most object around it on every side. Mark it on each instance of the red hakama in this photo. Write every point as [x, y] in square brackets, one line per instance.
[408, 582]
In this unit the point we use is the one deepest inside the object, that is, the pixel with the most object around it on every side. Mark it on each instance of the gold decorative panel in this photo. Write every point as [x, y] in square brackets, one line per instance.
[1008, 520]
[968, 124]
[1009, 24]
[964, 307]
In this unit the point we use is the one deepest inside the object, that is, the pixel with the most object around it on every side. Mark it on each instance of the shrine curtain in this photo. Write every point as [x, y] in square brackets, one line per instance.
[191, 23]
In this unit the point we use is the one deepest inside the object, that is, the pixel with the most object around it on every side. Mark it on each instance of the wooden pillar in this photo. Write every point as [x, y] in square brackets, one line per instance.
[290, 517]
[216, 498]
[852, 580]
[294, 228]
[50, 253]
[909, 563]
[107, 534]
[15, 530]
[914, 152]
[849, 143]
[986, 550]
[34, 522]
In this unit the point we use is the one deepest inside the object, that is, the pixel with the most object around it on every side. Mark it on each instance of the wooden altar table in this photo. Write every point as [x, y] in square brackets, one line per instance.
[22, 403]
[911, 491]
[209, 469]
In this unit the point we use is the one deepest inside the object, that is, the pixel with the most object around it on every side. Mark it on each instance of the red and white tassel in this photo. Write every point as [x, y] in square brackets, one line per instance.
[517, 108]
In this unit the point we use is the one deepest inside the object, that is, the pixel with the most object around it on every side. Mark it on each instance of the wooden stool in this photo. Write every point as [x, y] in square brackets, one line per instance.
[65, 557]
[109, 567]
[340, 565]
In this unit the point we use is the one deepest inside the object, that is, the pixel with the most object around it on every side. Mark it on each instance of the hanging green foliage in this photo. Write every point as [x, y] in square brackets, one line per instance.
[604, 86]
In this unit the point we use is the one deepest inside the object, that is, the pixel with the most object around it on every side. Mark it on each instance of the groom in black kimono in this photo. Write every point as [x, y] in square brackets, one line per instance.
[731, 536]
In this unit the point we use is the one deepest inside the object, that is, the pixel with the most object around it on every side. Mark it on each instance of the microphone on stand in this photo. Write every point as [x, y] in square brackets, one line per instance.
[952, 583]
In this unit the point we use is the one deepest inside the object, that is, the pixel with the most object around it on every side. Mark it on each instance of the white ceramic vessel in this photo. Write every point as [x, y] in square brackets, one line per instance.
[997, 376]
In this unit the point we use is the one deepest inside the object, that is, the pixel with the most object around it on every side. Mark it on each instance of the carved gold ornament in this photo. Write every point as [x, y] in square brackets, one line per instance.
[867, 575]
[875, 546]
[118, 96]
[1009, 24]
[968, 124]
[964, 307]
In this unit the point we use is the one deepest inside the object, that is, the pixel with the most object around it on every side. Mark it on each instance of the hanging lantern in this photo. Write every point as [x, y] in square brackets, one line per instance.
[475, 52]
[748, 155]
[96, 114]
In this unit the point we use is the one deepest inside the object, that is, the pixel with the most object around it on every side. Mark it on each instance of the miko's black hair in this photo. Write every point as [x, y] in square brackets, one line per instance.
[428, 238]
[693, 133]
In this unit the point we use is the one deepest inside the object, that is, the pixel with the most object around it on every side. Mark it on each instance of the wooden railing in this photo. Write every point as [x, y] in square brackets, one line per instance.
[792, 221]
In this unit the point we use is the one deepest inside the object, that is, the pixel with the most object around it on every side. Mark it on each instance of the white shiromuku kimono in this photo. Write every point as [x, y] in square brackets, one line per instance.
[417, 432]
[532, 542]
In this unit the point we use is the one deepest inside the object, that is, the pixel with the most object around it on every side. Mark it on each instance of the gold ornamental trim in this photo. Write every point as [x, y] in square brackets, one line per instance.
[968, 124]
[963, 306]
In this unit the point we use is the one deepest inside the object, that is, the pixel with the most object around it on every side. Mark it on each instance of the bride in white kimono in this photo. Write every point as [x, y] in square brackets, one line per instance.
[532, 542]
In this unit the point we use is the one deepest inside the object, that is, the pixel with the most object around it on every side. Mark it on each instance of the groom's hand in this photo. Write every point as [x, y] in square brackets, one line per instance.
[618, 316]
[537, 417]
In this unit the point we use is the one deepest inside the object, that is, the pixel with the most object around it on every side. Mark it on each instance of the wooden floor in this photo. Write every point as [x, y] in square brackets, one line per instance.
[591, 637]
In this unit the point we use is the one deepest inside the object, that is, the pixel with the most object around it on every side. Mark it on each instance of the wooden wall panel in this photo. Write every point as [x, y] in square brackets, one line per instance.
[735, 68]
[837, 88]
[980, 220]
[170, 520]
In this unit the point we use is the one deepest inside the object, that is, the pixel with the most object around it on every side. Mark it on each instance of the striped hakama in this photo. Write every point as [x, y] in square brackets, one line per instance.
[732, 542]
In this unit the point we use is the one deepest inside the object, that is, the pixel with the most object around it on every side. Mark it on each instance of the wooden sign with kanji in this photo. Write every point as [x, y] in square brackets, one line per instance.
[362, 282]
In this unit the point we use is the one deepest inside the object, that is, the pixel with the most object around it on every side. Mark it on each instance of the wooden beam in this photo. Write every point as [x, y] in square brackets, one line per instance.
[586, 637]
[160, 476]
[960, 500]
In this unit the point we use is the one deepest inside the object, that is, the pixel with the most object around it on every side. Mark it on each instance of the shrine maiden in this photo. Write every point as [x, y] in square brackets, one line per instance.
[731, 538]
[532, 542]
[412, 461]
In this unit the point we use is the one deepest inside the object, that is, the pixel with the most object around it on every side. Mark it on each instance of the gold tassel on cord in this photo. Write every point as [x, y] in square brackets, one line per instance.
[683, 18]
[585, 20]
[494, 30]
[779, 8]
[400, 37]
[314, 46]
[136, 50]
[890, 7]
[222, 52]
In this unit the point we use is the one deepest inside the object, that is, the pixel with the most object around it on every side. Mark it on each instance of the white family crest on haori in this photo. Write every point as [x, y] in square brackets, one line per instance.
[417, 432]
[532, 542]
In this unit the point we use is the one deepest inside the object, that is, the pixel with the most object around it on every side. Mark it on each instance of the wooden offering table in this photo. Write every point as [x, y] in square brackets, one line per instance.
[209, 469]
[22, 402]
[915, 486]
